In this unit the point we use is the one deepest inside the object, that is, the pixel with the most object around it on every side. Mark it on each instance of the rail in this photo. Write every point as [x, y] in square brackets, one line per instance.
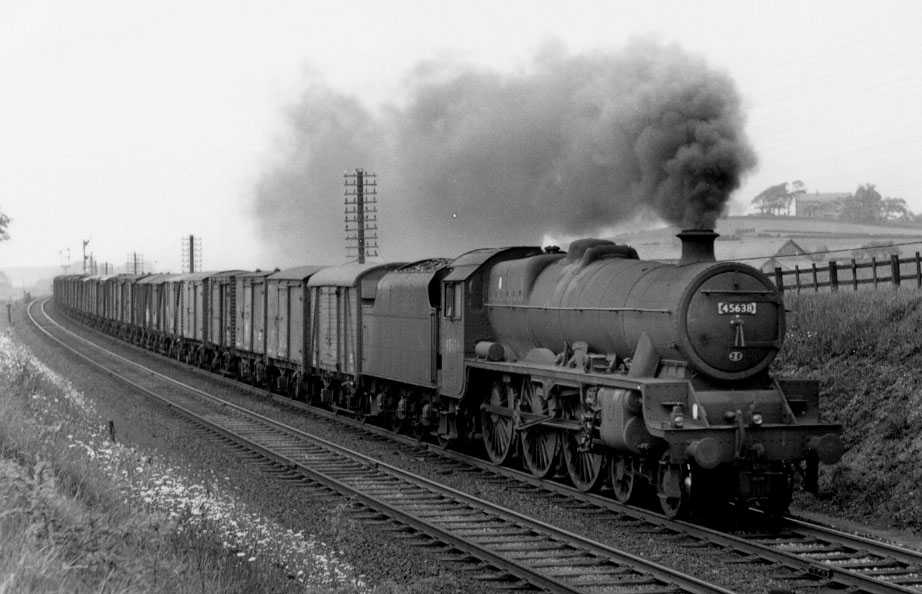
[522, 550]
[817, 556]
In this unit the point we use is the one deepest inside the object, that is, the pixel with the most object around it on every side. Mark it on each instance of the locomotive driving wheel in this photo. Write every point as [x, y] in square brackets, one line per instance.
[584, 468]
[540, 445]
[499, 430]
[625, 482]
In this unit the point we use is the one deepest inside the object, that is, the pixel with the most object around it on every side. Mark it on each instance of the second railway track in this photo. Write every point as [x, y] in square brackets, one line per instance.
[811, 556]
[516, 551]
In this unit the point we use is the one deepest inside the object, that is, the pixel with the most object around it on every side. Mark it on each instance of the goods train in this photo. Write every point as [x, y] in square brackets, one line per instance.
[648, 378]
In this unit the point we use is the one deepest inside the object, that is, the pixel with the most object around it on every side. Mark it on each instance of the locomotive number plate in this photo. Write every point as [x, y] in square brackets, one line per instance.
[725, 309]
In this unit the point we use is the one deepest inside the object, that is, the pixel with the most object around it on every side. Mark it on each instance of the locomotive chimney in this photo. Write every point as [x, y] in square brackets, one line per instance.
[697, 245]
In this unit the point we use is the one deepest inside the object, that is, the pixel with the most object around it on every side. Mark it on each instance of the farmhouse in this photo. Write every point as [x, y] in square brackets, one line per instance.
[818, 205]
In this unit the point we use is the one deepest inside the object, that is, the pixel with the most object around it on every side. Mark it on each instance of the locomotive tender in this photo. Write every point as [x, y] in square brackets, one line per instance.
[648, 376]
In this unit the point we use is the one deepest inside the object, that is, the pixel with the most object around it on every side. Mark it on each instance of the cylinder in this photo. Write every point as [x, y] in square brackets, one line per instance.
[621, 427]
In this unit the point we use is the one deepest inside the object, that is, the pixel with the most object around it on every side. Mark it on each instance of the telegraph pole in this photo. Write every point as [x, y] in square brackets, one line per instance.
[65, 258]
[190, 253]
[361, 206]
[135, 263]
[86, 242]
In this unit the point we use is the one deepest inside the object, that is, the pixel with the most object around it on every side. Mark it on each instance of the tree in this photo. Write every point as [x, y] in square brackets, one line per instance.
[895, 209]
[774, 200]
[865, 206]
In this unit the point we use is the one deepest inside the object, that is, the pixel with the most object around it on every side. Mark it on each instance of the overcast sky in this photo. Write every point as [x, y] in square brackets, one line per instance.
[133, 123]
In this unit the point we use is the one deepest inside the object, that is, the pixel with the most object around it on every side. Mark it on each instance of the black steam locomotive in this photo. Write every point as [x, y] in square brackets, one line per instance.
[647, 376]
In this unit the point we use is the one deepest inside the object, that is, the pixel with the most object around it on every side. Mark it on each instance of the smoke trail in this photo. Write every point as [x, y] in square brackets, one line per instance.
[480, 158]
[299, 203]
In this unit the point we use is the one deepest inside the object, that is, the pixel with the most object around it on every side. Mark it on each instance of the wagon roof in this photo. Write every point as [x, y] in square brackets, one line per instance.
[296, 273]
[346, 275]
[156, 278]
[257, 273]
[467, 264]
[224, 273]
[428, 265]
[194, 276]
[127, 276]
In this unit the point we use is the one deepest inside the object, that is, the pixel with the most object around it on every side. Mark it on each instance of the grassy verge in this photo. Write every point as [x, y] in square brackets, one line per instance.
[866, 350]
[78, 514]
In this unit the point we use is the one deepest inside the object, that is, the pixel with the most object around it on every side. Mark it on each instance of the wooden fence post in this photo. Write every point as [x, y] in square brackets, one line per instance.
[833, 276]
[854, 274]
[918, 271]
[874, 268]
[895, 270]
[797, 278]
[779, 278]
[816, 284]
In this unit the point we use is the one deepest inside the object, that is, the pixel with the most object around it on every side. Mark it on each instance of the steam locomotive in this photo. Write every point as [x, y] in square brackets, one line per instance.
[649, 378]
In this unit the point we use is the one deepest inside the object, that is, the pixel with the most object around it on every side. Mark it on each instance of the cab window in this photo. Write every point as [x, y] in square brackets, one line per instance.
[448, 308]
[453, 301]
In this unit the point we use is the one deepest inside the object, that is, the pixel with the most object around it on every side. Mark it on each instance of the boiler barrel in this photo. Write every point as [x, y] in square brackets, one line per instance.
[725, 318]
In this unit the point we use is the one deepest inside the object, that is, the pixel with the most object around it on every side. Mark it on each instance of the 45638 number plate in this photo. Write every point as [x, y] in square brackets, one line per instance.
[726, 309]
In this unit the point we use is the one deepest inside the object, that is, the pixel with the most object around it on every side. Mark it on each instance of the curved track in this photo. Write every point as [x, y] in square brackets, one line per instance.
[810, 555]
[517, 550]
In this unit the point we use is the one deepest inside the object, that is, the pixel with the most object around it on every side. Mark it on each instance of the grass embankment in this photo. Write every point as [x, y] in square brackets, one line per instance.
[866, 350]
[78, 514]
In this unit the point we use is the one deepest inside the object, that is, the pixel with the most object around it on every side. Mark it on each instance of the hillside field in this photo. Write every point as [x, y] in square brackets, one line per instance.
[866, 350]
[756, 238]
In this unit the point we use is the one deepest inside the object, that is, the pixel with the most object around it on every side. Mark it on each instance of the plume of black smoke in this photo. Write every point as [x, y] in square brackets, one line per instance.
[479, 158]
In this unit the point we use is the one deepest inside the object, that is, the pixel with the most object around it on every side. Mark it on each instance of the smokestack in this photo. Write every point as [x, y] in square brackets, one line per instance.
[697, 245]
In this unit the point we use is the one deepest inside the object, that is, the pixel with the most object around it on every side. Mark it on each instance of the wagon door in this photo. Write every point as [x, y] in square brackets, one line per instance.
[213, 296]
[260, 296]
[229, 313]
[325, 345]
[350, 316]
[201, 311]
[285, 322]
[273, 290]
[247, 293]
[298, 329]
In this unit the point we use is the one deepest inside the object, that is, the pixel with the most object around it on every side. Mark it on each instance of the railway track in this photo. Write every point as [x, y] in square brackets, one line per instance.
[513, 550]
[810, 556]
